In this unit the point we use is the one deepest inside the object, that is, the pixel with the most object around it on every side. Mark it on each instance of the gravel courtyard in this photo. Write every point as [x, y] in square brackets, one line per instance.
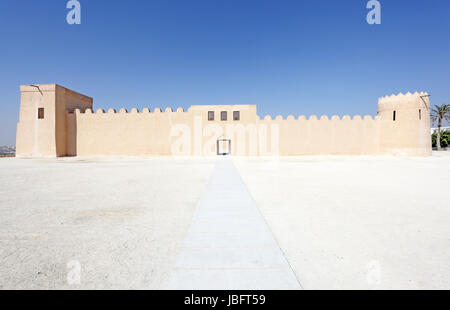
[358, 222]
[341, 222]
[122, 220]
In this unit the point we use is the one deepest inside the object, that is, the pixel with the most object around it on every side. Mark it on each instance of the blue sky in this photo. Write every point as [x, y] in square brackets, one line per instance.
[288, 57]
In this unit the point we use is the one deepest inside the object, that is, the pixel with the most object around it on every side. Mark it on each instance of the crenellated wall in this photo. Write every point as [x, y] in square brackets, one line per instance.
[80, 131]
[311, 136]
[130, 133]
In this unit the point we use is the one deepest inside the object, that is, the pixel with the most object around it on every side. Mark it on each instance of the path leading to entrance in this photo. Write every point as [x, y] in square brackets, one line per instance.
[229, 245]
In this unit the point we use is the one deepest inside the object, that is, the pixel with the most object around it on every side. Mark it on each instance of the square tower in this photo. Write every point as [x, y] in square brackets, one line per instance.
[42, 128]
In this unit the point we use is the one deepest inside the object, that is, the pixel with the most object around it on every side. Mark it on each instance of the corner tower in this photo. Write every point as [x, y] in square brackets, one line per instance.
[42, 129]
[405, 124]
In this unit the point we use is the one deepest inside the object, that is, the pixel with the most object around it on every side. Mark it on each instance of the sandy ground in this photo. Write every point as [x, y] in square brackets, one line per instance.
[121, 221]
[358, 222]
[341, 222]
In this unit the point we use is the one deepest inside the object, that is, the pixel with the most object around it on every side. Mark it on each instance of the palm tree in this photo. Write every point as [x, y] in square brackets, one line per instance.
[438, 114]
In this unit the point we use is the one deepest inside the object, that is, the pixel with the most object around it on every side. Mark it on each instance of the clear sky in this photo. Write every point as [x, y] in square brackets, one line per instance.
[287, 56]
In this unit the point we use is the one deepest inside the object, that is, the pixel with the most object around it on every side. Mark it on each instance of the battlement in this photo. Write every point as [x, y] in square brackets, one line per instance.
[315, 118]
[133, 111]
[169, 110]
[402, 97]
[404, 101]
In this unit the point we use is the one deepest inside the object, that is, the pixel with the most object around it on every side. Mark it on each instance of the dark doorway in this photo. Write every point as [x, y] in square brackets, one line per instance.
[223, 147]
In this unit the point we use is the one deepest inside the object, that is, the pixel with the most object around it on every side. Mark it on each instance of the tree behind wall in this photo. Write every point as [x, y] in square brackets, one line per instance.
[445, 138]
[438, 114]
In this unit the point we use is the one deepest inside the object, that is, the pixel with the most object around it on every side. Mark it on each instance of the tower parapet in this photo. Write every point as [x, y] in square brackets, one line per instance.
[405, 124]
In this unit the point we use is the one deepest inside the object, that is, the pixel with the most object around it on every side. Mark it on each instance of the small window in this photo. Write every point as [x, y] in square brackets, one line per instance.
[394, 115]
[40, 113]
[223, 116]
[420, 114]
[236, 115]
[210, 115]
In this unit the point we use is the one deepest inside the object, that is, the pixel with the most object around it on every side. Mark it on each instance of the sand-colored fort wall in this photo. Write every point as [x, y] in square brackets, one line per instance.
[130, 133]
[158, 132]
[402, 126]
[314, 136]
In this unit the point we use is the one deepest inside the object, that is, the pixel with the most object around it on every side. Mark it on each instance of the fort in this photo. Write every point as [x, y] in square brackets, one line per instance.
[55, 122]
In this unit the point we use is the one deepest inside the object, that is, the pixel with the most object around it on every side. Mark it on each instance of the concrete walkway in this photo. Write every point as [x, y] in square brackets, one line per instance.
[229, 245]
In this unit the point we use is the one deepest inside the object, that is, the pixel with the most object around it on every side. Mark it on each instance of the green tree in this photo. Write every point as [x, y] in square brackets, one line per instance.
[445, 138]
[438, 115]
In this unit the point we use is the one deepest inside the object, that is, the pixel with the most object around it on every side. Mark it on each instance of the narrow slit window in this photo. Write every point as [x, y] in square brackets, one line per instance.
[394, 116]
[210, 115]
[40, 113]
[420, 114]
[236, 116]
[223, 116]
